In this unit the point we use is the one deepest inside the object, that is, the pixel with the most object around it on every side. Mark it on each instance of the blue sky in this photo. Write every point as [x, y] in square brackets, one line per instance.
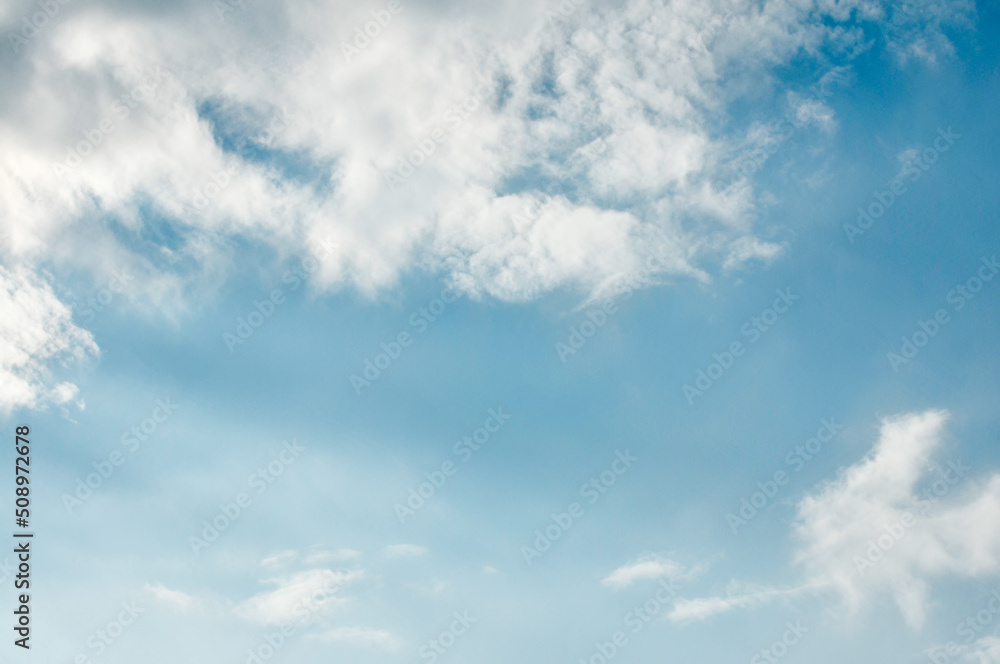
[603, 140]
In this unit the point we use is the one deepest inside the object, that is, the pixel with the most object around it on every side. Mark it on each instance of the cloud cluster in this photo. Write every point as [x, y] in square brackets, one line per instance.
[301, 595]
[509, 148]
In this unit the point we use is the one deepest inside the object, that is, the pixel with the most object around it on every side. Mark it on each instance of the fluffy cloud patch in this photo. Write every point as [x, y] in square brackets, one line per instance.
[519, 151]
[888, 526]
[35, 329]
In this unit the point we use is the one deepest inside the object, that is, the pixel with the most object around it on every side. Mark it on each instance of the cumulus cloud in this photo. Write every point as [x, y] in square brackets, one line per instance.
[520, 151]
[547, 151]
[35, 329]
[884, 526]
[888, 526]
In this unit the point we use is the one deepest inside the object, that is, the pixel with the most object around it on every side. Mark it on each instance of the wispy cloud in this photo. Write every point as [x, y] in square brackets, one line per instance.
[321, 557]
[707, 607]
[361, 636]
[278, 560]
[647, 567]
[297, 596]
[175, 598]
[404, 550]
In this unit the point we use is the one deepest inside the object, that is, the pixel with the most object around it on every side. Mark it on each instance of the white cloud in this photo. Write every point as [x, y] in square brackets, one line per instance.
[118, 124]
[886, 527]
[297, 597]
[706, 607]
[915, 30]
[646, 567]
[620, 104]
[174, 598]
[64, 393]
[404, 550]
[874, 531]
[35, 329]
[749, 248]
